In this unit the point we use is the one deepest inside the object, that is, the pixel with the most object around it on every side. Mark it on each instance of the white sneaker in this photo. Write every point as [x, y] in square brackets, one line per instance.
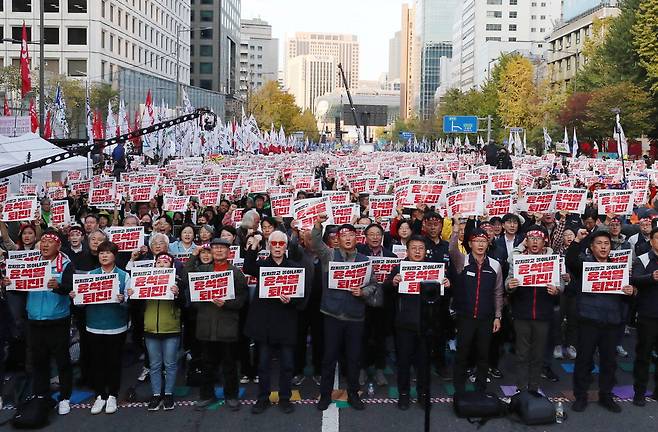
[111, 406]
[557, 352]
[244, 380]
[571, 352]
[99, 404]
[64, 407]
[0, 402]
[621, 351]
[143, 375]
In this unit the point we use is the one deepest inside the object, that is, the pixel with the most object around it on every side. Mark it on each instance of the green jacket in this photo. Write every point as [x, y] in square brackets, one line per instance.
[162, 317]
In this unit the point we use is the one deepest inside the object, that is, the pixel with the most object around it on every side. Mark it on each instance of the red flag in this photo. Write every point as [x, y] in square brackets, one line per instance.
[98, 125]
[26, 82]
[7, 110]
[34, 119]
[47, 130]
[136, 140]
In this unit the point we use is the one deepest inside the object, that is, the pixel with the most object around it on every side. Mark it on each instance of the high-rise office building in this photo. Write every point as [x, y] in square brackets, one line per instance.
[259, 55]
[310, 76]
[394, 52]
[406, 61]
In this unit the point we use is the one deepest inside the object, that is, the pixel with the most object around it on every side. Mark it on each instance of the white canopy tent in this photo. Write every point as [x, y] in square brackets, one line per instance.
[14, 152]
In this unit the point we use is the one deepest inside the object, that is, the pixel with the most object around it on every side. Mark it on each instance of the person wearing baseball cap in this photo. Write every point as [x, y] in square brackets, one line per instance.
[477, 301]
[601, 317]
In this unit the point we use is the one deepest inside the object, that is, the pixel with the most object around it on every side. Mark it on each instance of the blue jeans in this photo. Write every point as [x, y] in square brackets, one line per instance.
[163, 350]
[286, 366]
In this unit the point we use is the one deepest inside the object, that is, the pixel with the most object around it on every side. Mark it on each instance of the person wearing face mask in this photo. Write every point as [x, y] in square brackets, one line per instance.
[106, 326]
[49, 323]
[600, 318]
[272, 323]
[532, 310]
[477, 301]
[344, 314]
[410, 344]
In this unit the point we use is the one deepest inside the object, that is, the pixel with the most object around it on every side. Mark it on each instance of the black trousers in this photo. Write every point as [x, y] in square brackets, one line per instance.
[106, 352]
[411, 350]
[647, 340]
[339, 333]
[248, 358]
[472, 334]
[531, 339]
[374, 340]
[286, 354]
[85, 361]
[214, 354]
[136, 311]
[310, 319]
[593, 336]
[50, 340]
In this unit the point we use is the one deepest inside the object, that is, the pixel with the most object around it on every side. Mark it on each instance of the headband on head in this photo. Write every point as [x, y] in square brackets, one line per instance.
[165, 258]
[345, 230]
[52, 237]
[536, 233]
[477, 236]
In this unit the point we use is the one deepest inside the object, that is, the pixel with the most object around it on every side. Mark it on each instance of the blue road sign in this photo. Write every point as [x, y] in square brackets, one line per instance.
[406, 136]
[460, 124]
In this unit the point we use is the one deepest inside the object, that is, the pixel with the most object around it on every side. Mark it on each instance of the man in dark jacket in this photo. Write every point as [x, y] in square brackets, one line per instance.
[410, 345]
[645, 278]
[217, 330]
[491, 154]
[272, 322]
[600, 317]
[344, 312]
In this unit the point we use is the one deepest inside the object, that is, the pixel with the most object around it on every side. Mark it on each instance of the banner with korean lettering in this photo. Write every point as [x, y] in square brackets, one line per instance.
[59, 213]
[413, 273]
[617, 202]
[142, 192]
[175, 203]
[306, 211]
[28, 188]
[501, 180]
[382, 267]
[349, 275]
[102, 194]
[537, 201]
[210, 197]
[605, 278]
[281, 204]
[621, 256]
[127, 239]
[344, 213]
[426, 191]
[537, 270]
[28, 275]
[19, 208]
[382, 206]
[152, 283]
[277, 281]
[25, 255]
[570, 200]
[499, 205]
[641, 187]
[465, 201]
[4, 189]
[400, 251]
[80, 186]
[209, 286]
[337, 197]
[95, 289]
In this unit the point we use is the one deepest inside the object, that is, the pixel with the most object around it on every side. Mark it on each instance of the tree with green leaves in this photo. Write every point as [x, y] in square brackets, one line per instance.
[270, 105]
[645, 42]
[307, 123]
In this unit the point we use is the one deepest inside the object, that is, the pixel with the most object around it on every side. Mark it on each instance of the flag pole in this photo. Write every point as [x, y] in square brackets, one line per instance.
[620, 147]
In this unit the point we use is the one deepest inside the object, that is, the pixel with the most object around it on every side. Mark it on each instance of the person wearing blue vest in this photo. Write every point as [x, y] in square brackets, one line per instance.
[49, 323]
[106, 325]
[344, 314]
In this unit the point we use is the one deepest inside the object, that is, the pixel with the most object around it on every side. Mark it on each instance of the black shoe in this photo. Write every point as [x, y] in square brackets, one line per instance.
[654, 395]
[548, 374]
[260, 407]
[286, 406]
[154, 403]
[639, 400]
[495, 373]
[355, 401]
[421, 400]
[323, 403]
[579, 405]
[403, 402]
[610, 404]
[233, 404]
[168, 402]
[204, 403]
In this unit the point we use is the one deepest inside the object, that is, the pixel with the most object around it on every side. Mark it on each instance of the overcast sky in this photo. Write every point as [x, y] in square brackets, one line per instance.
[373, 21]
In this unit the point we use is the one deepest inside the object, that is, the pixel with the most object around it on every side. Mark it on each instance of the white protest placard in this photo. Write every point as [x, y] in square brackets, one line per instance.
[144, 263]
[59, 213]
[382, 206]
[19, 208]
[413, 273]
[605, 278]
[142, 192]
[306, 211]
[382, 267]
[277, 281]
[640, 185]
[80, 186]
[281, 204]
[127, 239]
[499, 205]
[501, 180]
[28, 275]
[210, 197]
[617, 202]
[537, 270]
[349, 275]
[337, 197]
[152, 283]
[465, 201]
[95, 289]
[621, 256]
[102, 194]
[175, 203]
[344, 213]
[25, 255]
[537, 201]
[570, 200]
[400, 251]
[209, 286]
[426, 191]
[28, 188]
